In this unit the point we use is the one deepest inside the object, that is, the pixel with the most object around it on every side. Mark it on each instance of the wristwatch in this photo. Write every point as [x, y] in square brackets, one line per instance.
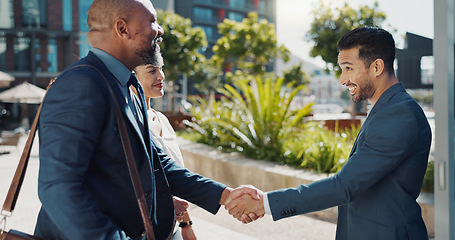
[185, 224]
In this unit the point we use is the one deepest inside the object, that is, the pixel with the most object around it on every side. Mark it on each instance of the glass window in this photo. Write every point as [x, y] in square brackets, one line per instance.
[262, 6]
[37, 49]
[203, 14]
[52, 55]
[34, 13]
[22, 53]
[67, 15]
[84, 47]
[6, 14]
[238, 4]
[2, 53]
[84, 5]
[427, 69]
[238, 17]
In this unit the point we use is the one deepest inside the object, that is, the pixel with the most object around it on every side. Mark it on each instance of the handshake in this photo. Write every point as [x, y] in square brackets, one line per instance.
[245, 203]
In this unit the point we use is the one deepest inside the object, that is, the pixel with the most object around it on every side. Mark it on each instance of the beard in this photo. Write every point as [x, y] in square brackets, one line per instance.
[152, 56]
[365, 91]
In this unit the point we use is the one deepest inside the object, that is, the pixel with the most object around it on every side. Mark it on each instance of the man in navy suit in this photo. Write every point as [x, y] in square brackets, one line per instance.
[377, 188]
[84, 184]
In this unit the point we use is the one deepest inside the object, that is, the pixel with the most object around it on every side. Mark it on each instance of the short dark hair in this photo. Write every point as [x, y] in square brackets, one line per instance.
[373, 43]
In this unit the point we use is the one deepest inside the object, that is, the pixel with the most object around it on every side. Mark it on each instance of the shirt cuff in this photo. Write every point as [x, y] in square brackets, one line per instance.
[266, 204]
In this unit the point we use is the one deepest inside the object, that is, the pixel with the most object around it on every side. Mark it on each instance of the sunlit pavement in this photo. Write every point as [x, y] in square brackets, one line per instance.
[206, 226]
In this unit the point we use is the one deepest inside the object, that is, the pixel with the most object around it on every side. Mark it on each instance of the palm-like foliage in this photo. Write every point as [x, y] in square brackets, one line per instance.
[322, 150]
[254, 117]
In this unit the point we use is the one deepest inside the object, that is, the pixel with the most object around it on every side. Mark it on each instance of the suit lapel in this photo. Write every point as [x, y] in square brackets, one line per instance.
[356, 142]
[354, 147]
[382, 101]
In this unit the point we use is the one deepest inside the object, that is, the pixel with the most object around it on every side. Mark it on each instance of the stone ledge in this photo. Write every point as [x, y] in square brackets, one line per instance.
[234, 170]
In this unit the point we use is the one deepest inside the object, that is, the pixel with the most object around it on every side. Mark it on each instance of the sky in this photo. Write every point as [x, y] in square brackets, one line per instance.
[295, 16]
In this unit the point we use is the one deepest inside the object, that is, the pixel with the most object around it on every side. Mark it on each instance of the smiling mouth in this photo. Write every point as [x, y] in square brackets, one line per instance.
[351, 88]
[158, 40]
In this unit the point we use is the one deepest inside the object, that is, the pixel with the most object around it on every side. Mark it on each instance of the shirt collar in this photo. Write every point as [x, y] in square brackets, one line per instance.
[117, 68]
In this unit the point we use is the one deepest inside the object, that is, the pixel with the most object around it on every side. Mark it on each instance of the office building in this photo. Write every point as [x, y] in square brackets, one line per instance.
[207, 14]
[39, 38]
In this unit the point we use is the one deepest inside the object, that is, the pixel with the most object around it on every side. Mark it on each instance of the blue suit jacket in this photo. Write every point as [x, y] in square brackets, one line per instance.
[377, 188]
[84, 184]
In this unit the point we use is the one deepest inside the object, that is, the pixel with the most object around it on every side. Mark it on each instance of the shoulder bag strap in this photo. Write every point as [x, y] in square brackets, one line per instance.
[16, 184]
[13, 192]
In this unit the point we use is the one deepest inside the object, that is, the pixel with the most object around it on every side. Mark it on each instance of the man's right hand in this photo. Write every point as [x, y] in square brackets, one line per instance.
[246, 204]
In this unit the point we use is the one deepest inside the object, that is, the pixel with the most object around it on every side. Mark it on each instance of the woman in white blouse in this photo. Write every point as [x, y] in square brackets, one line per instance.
[151, 79]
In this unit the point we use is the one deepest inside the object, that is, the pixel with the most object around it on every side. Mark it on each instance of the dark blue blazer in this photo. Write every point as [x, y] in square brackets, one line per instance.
[377, 188]
[84, 184]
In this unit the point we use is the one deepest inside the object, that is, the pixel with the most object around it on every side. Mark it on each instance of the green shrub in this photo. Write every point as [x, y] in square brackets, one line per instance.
[428, 180]
[322, 150]
[254, 117]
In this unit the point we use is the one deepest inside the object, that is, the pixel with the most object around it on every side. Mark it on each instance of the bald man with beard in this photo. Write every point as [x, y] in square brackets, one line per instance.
[84, 184]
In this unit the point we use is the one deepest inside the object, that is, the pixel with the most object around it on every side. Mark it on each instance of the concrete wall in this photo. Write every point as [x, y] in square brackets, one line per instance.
[234, 170]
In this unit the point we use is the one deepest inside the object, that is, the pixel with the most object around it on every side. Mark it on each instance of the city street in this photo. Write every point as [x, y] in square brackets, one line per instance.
[206, 226]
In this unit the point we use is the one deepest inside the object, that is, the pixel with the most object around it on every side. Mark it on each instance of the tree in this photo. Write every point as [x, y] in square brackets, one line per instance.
[180, 48]
[248, 46]
[208, 77]
[296, 74]
[330, 25]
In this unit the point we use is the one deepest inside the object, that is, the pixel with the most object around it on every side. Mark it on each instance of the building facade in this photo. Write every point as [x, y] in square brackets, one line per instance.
[207, 14]
[40, 38]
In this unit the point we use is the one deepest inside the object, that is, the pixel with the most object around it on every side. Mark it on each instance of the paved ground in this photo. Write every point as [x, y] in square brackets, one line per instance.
[207, 226]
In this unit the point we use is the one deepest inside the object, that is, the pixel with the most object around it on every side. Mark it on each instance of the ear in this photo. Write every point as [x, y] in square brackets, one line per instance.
[377, 66]
[121, 29]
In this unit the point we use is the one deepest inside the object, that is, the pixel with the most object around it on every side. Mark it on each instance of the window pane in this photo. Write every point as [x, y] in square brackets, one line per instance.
[34, 13]
[84, 5]
[37, 49]
[203, 14]
[67, 15]
[52, 55]
[6, 14]
[262, 6]
[84, 47]
[427, 69]
[238, 17]
[239, 4]
[22, 53]
[2, 53]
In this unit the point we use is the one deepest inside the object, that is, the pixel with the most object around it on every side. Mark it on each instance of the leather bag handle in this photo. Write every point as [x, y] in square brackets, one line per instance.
[16, 183]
